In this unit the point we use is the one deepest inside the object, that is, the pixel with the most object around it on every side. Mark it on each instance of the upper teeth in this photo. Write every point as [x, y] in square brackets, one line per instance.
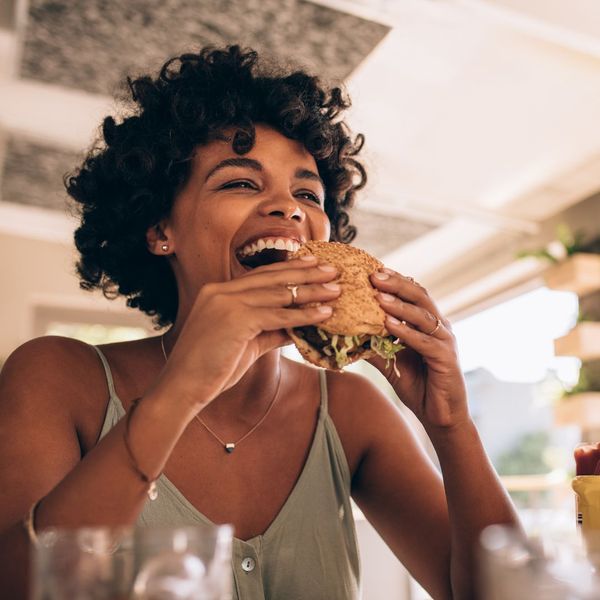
[262, 243]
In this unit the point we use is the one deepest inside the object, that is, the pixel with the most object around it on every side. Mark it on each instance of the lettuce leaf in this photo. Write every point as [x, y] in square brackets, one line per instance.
[383, 346]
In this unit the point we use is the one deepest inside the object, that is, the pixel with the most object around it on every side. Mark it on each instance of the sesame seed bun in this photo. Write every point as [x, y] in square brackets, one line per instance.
[356, 310]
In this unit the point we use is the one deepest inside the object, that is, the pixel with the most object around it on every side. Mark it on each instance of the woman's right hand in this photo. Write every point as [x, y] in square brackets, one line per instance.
[233, 323]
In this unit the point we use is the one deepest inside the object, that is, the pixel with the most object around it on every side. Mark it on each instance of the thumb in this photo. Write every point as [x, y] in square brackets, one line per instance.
[269, 340]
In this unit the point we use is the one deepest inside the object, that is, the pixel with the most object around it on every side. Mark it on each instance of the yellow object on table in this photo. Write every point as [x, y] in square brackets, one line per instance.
[587, 491]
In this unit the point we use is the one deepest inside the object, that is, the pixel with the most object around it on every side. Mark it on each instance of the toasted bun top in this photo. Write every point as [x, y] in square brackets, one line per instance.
[356, 311]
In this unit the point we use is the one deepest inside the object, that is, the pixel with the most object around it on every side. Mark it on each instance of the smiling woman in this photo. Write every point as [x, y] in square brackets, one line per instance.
[212, 98]
[190, 208]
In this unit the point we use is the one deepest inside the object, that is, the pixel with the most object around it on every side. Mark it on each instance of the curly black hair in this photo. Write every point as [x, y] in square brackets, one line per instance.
[128, 181]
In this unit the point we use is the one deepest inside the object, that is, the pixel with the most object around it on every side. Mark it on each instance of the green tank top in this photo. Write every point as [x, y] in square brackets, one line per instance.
[309, 552]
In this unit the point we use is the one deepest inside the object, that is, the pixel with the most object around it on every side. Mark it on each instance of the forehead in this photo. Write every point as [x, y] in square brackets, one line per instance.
[270, 148]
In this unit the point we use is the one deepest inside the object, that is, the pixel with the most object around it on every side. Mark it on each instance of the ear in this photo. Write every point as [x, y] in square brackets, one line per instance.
[158, 239]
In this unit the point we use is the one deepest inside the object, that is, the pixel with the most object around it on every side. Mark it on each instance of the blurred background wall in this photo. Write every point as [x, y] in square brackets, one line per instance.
[483, 143]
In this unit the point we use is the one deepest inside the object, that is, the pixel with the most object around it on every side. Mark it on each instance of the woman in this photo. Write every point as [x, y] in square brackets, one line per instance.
[220, 152]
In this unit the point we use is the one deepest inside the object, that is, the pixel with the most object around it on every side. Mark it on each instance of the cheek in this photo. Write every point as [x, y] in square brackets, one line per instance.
[320, 227]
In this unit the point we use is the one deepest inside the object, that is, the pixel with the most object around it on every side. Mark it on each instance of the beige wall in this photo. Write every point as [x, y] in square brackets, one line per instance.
[40, 274]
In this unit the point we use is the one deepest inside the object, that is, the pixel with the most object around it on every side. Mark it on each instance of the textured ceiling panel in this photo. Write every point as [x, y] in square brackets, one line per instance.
[32, 174]
[382, 234]
[92, 45]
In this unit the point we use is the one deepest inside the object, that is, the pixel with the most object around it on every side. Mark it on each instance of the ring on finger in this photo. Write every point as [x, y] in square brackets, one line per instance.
[412, 280]
[294, 289]
[437, 326]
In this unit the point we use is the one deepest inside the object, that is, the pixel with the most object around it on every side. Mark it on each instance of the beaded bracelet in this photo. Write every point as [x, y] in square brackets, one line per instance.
[152, 489]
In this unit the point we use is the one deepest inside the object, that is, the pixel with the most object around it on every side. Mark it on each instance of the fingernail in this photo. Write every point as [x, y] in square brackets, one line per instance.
[328, 268]
[334, 287]
[387, 297]
[393, 320]
[309, 257]
[381, 276]
[325, 309]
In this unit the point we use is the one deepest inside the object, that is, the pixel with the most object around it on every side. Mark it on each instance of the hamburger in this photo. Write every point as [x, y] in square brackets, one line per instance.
[356, 328]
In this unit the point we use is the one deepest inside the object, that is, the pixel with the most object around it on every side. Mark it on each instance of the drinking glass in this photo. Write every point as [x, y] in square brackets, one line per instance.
[550, 566]
[187, 563]
[82, 564]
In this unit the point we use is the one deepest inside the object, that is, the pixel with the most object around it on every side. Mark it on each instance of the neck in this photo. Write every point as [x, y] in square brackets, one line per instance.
[248, 398]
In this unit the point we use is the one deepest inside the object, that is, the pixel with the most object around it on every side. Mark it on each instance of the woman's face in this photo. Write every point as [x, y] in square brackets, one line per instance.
[232, 201]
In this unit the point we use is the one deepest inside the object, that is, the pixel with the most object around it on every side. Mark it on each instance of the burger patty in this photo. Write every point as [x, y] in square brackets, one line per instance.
[312, 336]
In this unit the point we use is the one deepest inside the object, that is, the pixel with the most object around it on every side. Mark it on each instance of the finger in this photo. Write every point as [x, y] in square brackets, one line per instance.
[426, 345]
[281, 277]
[414, 315]
[405, 288]
[269, 340]
[281, 295]
[269, 319]
[298, 263]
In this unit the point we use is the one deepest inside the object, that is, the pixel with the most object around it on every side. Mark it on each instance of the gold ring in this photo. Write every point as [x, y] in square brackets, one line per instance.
[438, 325]
[294, 290]
[412, 280]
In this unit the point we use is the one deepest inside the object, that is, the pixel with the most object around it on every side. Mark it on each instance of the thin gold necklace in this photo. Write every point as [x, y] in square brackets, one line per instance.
[230, 446]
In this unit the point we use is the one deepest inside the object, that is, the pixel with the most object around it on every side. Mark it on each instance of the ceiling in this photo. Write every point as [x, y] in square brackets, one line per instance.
[480, 116]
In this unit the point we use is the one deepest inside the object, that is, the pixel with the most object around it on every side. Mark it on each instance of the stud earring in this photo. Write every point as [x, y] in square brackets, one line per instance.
[165, 247]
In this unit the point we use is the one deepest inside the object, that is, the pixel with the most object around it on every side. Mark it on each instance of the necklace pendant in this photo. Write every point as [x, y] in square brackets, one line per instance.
[153, 491]
[230, 447]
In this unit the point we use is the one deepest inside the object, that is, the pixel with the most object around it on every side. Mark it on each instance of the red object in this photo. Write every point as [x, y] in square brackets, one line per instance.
[587, 459]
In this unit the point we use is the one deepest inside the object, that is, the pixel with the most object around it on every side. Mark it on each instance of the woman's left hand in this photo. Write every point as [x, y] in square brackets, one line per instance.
[431, 382]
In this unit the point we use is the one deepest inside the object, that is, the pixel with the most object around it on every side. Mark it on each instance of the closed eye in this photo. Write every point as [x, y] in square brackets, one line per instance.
[240, 183]
[310, 196]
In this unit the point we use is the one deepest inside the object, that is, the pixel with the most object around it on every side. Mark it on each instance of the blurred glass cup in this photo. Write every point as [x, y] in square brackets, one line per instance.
[552, 566]
[82, 564]
[187, 563]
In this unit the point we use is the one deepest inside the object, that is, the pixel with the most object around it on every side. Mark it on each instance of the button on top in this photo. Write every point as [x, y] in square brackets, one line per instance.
[248, 564]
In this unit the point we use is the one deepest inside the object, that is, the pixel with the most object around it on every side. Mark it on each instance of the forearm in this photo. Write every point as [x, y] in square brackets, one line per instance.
[103, 489]
[475, 497]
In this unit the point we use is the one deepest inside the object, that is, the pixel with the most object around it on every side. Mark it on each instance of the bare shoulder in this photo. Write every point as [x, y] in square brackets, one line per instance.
[43, 389]
[49, 358]
[49, 372]
[360, 412]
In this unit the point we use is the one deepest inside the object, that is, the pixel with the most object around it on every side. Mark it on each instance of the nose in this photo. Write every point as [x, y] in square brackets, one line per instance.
[283, 206]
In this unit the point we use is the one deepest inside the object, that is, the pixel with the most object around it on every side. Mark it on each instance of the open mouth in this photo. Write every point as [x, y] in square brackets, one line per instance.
[267, 256]
[266, 251]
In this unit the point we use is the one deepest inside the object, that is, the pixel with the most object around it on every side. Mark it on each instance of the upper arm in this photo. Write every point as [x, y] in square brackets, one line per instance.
[397, 487]
[39, 385]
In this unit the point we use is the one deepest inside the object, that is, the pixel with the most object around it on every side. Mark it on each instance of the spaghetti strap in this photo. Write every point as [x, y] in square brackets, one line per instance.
[323, 383]
[109, 377]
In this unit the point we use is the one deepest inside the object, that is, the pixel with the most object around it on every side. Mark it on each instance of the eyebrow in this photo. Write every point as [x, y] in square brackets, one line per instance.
[250, 163]
[306, 174]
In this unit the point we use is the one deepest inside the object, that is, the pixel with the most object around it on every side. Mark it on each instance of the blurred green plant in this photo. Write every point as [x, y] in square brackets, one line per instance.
[588, 381]
[566, 244]
[526, 457]
[582, 385]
